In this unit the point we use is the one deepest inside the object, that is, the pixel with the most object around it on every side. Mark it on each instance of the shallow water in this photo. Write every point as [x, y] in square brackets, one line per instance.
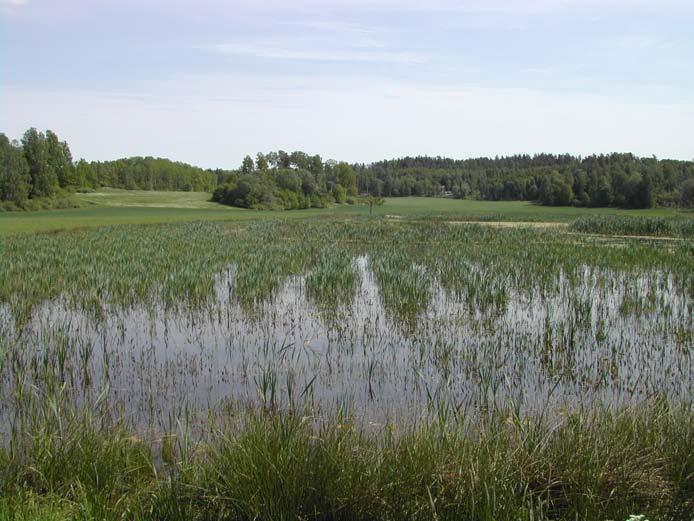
[607, 337]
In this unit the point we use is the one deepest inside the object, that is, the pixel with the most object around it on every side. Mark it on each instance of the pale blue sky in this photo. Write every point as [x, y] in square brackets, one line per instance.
[209, 81]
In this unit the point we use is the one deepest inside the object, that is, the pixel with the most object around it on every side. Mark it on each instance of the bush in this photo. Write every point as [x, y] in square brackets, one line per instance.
[339, 193]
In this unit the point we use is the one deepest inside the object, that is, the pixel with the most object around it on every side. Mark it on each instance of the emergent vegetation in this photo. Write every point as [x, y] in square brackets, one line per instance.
[347, 369]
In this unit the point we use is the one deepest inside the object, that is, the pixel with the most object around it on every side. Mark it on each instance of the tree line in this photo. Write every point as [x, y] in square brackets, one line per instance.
[621, 180]
[146, 173]
[300, 180]
[41, 166]
[280, 180]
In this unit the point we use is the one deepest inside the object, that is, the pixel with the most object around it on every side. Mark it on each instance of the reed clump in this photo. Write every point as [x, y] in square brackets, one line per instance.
[623, 225]
[596, 464]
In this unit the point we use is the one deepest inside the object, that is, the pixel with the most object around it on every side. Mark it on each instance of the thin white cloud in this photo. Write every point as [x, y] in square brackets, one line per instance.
[516, 7]
[634, 42]
[336, 27]
[357, 119]
[363, 53]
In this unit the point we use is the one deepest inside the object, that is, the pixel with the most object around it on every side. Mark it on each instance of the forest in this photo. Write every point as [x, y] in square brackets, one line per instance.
[299, 180]
[621, 180]
[41, 167]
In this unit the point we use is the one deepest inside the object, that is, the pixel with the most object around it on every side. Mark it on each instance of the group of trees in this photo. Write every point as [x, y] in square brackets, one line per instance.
[621, 180]
[299, 180]
[288, 181]
[41, 166]
[146, 173]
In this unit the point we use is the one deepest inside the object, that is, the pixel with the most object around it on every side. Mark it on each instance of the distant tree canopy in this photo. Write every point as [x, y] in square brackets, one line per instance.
[279, 180]
[621, 180]
[299, 180]
[146, 173]
[41, 166]
[15, 181]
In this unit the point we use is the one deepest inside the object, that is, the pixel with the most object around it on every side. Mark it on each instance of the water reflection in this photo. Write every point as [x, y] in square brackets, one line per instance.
[604, 336]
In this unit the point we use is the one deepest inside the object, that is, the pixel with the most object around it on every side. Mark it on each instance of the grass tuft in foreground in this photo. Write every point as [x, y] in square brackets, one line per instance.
[590, 465]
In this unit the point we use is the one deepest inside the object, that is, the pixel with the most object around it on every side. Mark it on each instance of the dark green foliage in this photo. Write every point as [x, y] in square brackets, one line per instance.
[339, 193]
[299, 180]
[279, 180]
[148, 173]
[37, 173]
[248, 166]
[60, 160]
[14, 173]
[687, 194]
[44, 179]
[621, 180]
[556, 190]
[47, 170]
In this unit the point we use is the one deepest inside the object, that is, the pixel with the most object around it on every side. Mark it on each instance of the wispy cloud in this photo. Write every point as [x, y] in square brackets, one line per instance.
[361, 53]
[209, 82]
[634, 42]
[12, 3]
[459, 122]
[516, 7]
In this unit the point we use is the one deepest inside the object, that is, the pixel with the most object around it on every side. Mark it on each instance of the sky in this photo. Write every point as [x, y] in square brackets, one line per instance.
[209, 81]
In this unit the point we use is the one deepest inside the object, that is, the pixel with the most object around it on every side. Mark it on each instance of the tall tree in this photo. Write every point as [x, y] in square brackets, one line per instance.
[14, 172]
[346, 176]
[44, 181]
[283, 160]
[247, 166]
[60, 159]
[261, 163]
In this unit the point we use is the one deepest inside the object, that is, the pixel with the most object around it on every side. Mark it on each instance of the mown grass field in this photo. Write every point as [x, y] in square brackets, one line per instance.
[114, 207]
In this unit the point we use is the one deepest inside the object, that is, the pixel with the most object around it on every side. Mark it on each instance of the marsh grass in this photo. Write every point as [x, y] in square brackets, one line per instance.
[102, 420]
[592, 464]
[623, 225]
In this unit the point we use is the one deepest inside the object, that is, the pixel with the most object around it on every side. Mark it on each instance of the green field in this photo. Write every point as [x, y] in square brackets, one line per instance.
[114, 207]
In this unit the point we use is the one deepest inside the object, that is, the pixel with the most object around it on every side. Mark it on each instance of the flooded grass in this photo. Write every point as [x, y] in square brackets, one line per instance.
[345, 370]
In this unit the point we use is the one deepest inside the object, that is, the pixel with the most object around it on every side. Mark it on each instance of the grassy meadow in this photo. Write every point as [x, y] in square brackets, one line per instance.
[114, 207]
[230, 364]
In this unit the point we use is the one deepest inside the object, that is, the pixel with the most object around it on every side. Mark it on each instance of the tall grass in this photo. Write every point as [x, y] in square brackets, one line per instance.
[464, 372]
[593, 464]
[623, 225]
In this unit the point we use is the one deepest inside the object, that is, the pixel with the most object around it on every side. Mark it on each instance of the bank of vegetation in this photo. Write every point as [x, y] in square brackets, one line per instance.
[590, 466]
[299, 180]
[623, 225]
[39, 172]
[620, 180]
[340, 370]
